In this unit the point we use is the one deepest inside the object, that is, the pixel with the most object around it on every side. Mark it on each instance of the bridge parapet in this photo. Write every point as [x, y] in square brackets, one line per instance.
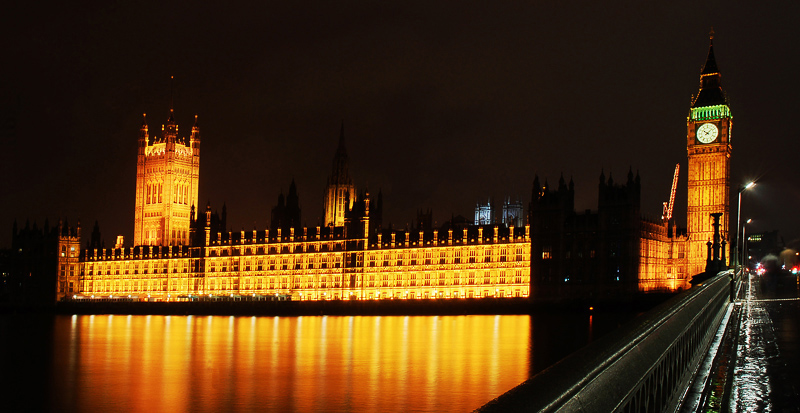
[645, 366]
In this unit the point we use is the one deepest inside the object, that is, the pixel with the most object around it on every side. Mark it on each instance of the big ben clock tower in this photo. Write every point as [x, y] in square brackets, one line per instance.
[708, 145]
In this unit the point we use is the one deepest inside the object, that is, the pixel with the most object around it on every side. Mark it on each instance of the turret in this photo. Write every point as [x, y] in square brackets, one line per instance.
[144, 137]
[207, 226]
[194, 140]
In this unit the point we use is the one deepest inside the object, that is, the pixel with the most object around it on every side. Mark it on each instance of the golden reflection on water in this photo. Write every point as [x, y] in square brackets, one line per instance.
[325, 363]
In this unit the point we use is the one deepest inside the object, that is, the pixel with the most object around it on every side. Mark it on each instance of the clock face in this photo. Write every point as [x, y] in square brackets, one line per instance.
[707, 133]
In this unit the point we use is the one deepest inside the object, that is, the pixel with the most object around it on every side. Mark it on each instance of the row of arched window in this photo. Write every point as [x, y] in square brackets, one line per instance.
[155, 193]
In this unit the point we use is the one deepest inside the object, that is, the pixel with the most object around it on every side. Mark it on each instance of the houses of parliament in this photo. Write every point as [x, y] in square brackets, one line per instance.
[182, 250]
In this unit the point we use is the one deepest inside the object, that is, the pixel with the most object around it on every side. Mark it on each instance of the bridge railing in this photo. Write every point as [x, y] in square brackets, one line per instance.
[645, 366]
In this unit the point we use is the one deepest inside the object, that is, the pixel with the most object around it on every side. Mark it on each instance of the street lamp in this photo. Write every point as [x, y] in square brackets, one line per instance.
[739, 218]
[744, 242]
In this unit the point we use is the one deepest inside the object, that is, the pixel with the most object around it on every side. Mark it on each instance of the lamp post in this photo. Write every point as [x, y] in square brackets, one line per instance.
[744, 242]
[739, 219]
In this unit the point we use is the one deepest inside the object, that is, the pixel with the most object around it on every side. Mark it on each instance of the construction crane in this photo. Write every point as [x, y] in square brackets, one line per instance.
[666, 215]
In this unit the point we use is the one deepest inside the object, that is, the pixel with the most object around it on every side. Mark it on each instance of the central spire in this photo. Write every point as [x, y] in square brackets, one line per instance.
[340, 192]
[339, 170]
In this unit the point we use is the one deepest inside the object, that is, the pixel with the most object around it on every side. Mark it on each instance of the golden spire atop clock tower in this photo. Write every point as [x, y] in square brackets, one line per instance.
[708, 146]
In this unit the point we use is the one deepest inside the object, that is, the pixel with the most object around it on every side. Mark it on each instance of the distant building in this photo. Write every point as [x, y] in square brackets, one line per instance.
[484, 213]
[511, 213]
[287, 213]
[760, 245]
[42, 265]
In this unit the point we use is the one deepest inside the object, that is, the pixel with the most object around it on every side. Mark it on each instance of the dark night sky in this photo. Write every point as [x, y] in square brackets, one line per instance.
[444, 104]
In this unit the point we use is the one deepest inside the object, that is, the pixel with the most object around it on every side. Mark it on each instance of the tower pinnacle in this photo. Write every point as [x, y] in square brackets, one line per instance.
[710, 67]
[171, 98]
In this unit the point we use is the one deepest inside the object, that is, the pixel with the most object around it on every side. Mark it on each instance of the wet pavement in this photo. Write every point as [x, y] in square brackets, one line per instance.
[766, 375]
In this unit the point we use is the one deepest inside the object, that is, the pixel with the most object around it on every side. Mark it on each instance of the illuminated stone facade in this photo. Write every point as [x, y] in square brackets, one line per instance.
[167, 178]
[663, 262]
[473, 262]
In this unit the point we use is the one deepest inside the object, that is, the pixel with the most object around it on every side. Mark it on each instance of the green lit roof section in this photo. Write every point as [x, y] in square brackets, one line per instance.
[711, 112]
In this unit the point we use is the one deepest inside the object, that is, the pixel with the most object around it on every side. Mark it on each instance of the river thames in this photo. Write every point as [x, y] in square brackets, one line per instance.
[316, 363]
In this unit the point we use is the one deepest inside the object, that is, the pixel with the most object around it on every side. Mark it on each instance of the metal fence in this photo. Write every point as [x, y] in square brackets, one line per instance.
[644, 367]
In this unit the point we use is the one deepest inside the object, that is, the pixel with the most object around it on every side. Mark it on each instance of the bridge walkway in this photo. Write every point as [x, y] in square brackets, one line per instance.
[758, 369]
